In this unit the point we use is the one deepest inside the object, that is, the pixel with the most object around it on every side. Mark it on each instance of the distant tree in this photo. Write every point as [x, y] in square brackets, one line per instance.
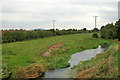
[10, 29]
[69, 30]
[74, 30]
[52, 30]
[102, 27]
[16, 29]
[21, 29]
[57, 29]
[84, 29]
[95, 29]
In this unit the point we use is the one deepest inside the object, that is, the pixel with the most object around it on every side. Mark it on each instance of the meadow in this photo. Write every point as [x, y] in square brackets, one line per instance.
[25, 53]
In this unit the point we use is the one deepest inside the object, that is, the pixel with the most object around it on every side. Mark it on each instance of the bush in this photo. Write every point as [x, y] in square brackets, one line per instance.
[111, 31]
[31, 71]
[105, 45]
[95, 35]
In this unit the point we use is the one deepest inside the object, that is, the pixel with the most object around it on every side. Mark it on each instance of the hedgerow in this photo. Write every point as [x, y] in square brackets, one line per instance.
[21, 35]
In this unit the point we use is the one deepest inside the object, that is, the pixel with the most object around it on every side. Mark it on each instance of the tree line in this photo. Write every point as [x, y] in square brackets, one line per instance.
[111, 31]
[21, 35]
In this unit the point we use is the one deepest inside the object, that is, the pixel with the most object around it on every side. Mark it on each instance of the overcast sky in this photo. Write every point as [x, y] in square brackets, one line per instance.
[78, 14]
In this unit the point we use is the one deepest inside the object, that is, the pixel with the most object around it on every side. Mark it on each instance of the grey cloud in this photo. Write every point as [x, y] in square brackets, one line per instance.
[69, 13]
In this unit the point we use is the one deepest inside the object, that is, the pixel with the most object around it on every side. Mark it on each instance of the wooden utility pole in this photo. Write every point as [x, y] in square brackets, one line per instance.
[95, 21]
[54, 24]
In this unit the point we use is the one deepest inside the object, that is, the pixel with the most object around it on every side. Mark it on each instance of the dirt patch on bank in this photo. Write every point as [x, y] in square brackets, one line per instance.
[56, 46]
[117, 47]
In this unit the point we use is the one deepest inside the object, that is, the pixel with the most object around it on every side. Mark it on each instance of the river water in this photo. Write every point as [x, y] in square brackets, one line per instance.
[75, 59]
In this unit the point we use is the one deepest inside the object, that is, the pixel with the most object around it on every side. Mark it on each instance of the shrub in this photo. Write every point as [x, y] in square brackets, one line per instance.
[31, 71]
[95, 35]
[110, 31]
[105, 45]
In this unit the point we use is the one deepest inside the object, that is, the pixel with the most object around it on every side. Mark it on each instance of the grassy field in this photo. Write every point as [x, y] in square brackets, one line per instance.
[104, 65]
[19, 54]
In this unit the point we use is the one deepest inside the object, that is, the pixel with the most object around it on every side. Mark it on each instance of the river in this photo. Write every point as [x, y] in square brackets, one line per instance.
[75, 59]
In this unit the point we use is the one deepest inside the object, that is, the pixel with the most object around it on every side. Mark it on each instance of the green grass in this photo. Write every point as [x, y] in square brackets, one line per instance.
[23, 53]
[104, 65]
